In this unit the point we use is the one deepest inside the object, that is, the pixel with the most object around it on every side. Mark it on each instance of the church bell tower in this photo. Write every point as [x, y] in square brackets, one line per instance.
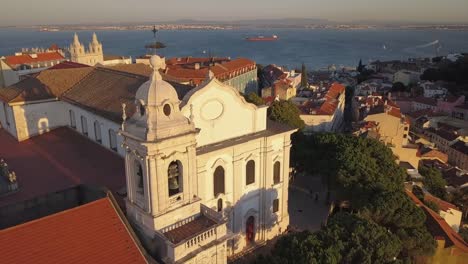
[160, 155]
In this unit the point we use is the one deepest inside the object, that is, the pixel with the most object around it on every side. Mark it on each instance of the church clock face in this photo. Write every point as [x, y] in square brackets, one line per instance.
[212, 110]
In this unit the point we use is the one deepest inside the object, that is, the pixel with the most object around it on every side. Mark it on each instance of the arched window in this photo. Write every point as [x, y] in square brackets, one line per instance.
[174, 174]
[276, 172]
[142, 109]
[250, 172]
[112, 140]
[84, 125]
[72, 119]
[139, 177]
[218, 181]
[97, 132]
[220, 205]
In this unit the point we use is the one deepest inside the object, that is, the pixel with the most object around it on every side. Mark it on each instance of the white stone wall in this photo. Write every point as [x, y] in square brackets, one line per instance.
[6, 114]
[105, 126]
[240, 200]
[37, 118]
[221, 113]
[7, 75]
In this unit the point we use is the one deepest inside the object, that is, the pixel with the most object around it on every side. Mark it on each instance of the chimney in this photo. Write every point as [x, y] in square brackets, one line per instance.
[197, 66]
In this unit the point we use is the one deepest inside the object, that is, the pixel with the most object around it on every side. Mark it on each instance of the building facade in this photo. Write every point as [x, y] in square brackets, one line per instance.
[207, 173]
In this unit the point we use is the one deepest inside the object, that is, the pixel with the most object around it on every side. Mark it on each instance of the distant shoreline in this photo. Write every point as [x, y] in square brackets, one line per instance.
[216, 27]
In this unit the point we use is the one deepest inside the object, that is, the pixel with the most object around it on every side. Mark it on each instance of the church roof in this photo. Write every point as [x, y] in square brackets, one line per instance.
[91, 233]
[47, 84]
[101, 90]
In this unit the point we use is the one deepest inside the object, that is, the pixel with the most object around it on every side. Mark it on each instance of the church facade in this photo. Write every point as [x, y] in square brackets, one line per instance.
[207, 176]
[91, 56]
[207, 173]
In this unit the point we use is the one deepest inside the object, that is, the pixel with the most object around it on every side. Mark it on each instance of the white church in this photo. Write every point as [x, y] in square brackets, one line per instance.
[206, 172]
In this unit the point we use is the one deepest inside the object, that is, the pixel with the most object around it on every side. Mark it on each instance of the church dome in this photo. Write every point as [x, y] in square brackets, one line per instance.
[156, 91]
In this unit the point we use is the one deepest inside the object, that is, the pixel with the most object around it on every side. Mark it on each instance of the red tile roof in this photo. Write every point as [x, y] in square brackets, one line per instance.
[439, 228]
[222, 71]
[443, 205]
[58, 160]
[68, 65]
[28, 59]
[91, 233]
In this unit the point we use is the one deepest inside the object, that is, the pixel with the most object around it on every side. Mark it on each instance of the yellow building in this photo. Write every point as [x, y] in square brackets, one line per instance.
[392, 128]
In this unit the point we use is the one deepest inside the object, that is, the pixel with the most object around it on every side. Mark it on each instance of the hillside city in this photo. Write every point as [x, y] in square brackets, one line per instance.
[113, 159]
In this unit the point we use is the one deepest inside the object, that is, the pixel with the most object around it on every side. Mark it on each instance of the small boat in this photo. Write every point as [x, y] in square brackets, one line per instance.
[262, 38]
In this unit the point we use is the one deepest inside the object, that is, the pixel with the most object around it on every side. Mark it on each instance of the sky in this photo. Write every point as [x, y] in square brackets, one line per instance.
[43, 12]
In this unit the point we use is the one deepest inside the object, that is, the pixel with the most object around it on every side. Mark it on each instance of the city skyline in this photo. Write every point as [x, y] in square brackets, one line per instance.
[122, 11]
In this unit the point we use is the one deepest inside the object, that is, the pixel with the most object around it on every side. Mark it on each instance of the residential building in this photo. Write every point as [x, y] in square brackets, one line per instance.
[450, 246]
[392, 128]
[324, 110]
[206, 172]
[449, 212]
[406, 77]
[240, 73]
[460, 112]
[433, 90]
[282, 90]
[13, 68]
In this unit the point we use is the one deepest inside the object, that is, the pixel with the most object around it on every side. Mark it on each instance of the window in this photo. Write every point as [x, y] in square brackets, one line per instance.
[250, 172]
[173, 176]
[97, 132]
[84, 125]
[72, 119]
[167, 109]
[139, 178]
[276, 172]
[112, 140]
[220, 205]
[275, 205]
[404, 136]
[218, 181]
[406, 128]
[142, 109]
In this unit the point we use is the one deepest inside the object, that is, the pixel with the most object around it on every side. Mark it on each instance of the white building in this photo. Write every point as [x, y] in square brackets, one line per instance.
[432, 90]
[207, 173]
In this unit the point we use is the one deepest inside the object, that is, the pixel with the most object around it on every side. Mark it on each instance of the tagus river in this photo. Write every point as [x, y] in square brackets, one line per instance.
[317, 48]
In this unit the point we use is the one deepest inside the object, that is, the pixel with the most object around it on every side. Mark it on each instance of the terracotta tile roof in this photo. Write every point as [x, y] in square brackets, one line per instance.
[28, 59]
[433, 154]
[91, 233]
[200, 224]
[105, 89]
[439, 228]
[67, 65]
[394, 112]
[331, 103]
[47, 84]
[58, 160]
[222, 71]
[136, 68]
[443, 205]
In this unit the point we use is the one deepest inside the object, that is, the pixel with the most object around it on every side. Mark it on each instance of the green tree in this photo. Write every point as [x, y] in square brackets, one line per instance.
[434, 182]
[346, 239]
[286, 112]
[254, 99]
[432, 205]
[304, 77]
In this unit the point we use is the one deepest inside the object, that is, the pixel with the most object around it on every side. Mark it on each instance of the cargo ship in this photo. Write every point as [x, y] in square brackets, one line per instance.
[262, 38]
